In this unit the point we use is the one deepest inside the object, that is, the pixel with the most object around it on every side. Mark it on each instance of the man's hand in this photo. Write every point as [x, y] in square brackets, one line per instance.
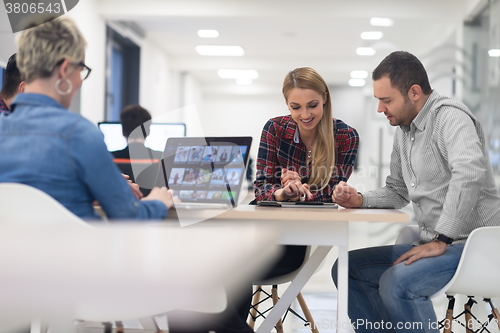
[347, 196]
[431, 249]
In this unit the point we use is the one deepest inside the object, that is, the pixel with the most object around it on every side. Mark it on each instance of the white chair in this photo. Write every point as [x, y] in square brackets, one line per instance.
[111, 272]
[20, 203]
[274, 282]
[477, 273]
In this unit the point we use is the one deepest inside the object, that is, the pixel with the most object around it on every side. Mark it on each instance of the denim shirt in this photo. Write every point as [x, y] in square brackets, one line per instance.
[61, 153]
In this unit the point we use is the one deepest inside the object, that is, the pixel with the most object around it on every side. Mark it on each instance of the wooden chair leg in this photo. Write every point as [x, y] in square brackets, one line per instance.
[255, 306]
[119, 327]
[307, 313]
[469, 322]
[448, 320]
[274, 293]
[494, 311]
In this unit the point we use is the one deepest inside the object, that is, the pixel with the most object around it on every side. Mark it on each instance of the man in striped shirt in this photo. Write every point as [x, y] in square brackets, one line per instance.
[440, 163]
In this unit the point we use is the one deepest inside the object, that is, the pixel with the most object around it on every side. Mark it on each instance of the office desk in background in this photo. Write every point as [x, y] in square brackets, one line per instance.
[324, 228]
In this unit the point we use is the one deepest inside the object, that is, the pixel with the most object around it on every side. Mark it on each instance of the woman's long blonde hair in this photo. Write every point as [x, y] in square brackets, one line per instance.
[323, 154]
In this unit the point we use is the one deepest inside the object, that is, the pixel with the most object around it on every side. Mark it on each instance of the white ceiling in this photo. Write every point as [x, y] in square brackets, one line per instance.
[280, 35]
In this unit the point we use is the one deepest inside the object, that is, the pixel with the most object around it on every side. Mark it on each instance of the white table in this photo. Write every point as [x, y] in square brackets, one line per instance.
[305, 226]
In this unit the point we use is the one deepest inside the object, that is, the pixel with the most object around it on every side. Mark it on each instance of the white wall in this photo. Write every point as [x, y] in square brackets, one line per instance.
[155, 93]
[93, 29]
[240, 115]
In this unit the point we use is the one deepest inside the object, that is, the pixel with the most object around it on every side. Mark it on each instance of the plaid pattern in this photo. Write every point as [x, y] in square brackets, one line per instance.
[3, 107]
[278, 150]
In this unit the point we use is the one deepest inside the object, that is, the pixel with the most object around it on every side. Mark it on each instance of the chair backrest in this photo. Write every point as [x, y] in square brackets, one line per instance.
[20, 203]
[290, 276]
[408, 235]
[479, 268]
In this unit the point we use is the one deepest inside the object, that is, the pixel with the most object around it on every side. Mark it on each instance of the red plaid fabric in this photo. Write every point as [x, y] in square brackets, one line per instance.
[3, 106]
[277, 150]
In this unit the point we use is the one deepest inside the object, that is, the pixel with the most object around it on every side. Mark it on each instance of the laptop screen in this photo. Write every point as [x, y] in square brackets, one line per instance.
[205, 169]
[158, 135]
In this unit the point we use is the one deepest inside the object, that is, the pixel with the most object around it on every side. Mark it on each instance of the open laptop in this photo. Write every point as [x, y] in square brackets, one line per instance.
[205, 172]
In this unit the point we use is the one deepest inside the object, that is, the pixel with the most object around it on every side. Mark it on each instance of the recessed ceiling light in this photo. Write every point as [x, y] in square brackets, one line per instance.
[368, 51]
[220, 50]
[238, 73]
[206, 33]
[356, 82]
[494, 53]
[244, 80]
[381, 22]
[359, 74]
[372, 35]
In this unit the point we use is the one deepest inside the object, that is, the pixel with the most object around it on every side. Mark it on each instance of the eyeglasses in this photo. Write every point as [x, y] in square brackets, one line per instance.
[85, 71]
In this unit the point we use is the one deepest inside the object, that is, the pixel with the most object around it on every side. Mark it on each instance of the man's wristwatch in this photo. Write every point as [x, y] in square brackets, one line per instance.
[442, 238]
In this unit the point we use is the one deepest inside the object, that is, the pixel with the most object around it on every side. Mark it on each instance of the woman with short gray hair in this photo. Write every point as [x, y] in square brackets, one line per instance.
[57, 151]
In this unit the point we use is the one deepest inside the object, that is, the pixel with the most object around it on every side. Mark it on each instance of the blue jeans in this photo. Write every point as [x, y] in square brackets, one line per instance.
[387, 298]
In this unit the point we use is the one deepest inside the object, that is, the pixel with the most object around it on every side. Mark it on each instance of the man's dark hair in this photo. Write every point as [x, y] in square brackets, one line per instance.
[403, 70]
[132, 117]
[12, 79]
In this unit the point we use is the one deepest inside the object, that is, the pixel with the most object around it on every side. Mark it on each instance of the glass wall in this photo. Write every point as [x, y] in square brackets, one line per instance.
[481, 76]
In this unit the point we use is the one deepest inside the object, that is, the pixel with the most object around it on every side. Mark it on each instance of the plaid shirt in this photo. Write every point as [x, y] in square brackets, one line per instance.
[3, 106]
[278, 150]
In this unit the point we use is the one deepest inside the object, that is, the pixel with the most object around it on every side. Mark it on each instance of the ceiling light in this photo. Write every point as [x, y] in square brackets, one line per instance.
[371, 35]
[238, 73]
[381, 22]
[244, 80]
[220, 50]
[359, 74]
[356, 82]
[494, 53]
[204, 33]
[365, 51]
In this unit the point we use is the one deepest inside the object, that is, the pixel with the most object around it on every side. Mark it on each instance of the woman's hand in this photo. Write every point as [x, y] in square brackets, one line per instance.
[288, 176]
[294, 191]
[163, 195]
[136, 191]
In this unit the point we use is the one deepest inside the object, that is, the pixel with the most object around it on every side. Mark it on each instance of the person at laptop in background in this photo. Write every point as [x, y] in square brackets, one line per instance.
[137, 161]
[136, 126]
[304, 155]
[12, 85]
[44, 145]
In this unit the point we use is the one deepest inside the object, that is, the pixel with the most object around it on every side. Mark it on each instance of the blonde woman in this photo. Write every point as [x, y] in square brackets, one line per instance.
[57, 151]
[302, 156]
